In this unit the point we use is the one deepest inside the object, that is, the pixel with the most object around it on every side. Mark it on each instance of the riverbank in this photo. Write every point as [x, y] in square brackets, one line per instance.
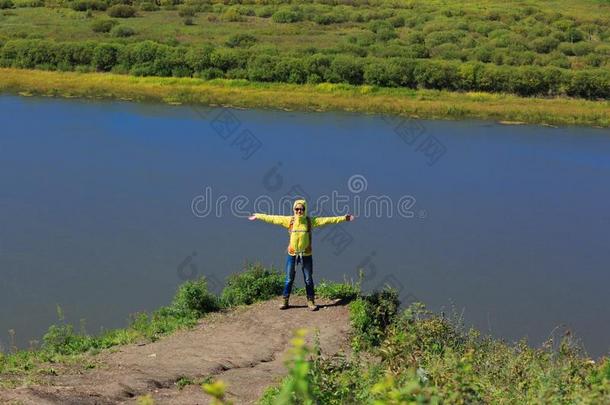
[423, 104]
[244, 347]
[370, 351]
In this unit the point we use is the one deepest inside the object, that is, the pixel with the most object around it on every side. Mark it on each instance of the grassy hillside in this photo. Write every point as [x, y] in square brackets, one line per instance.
[541, 48]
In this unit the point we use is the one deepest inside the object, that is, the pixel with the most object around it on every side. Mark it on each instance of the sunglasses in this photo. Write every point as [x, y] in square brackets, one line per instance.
[299, 209]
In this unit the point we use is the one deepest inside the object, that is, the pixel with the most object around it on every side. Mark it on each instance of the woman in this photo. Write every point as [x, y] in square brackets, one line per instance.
[299, 247]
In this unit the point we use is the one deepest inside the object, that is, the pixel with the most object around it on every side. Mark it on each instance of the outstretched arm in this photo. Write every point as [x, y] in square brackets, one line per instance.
[321, 221]
[281, 220]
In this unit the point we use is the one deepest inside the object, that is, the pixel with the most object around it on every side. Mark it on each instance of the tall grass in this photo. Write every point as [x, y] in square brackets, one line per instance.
[418, 357]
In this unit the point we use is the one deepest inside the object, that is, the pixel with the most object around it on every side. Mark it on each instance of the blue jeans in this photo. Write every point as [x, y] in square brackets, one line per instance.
[307, 267]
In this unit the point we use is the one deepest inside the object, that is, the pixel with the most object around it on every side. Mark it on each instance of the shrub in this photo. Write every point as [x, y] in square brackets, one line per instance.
[254, 284]
[397, 21]
[371, 315]
[122, 31]
[188, 21]
[317, 67]
[446, 51]
[211, 73]
[590, 83]
[287, 15]
[187, 11]
[494, 78]
[544, 44]
[103, 25]
[436, 75]
[149, 6]
[5, 4]
[61, 339]
[121, 11]
[346, 69]
[345, 291]
[84, 5]
[199, 58]
[241, 40]
[232, 14]
[105, 56]
[566, 48]
[582, 48]
[325, 19]
[265, 11]
[194, 299]
[29, 3]
[442, 37]
[574, 35]
[226, 59]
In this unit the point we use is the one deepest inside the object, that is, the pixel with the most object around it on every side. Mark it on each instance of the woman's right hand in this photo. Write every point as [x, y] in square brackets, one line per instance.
[252, 217]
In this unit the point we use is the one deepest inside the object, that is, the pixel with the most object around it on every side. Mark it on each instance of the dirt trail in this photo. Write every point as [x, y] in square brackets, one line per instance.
[244, 347]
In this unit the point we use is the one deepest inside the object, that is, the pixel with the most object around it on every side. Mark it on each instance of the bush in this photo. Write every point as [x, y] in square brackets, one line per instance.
[447, 51]
[211, 73]
[5, 4]
[84, 5]
[105, 56]
[194, 299]
[122, 31]
[436, 75]
[379, 73]
[254, 284]
[103, 25]
[199, 58]
[29, 3]
[149, 6]
[371, 315]
[287, 15]
[590, 83]
[121, 11]
[582, 48]
[265, 11]
[241, 40]
[544, 44]
[188, 21]
[346, 69]
[232, 14]
[346, 291]
[61, 339]
[442, 37]
[187, 11]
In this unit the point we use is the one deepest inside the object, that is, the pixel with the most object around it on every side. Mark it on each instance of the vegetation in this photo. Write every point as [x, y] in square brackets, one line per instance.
[62, 344]
[527, 49]
[121, 11]
[417, 357]
[149, 58]
[433, 104]
[255, 284]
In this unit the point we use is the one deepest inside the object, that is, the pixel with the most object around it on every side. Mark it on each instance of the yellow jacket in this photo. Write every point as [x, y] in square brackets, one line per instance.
[299, 237]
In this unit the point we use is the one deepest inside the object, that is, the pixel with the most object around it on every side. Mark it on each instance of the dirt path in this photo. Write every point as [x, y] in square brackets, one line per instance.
[245, 348]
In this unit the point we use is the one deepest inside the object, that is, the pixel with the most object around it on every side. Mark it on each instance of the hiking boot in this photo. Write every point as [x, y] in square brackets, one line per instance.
[285, 304]
[311, 305]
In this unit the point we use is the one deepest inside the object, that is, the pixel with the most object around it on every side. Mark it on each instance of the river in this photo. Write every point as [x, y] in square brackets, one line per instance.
[106, 207]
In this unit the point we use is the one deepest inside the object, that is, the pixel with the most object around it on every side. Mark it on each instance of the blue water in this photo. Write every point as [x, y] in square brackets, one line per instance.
[510, 225]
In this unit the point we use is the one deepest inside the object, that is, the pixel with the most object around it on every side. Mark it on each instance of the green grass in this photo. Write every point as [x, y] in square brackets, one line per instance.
[418, 357]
